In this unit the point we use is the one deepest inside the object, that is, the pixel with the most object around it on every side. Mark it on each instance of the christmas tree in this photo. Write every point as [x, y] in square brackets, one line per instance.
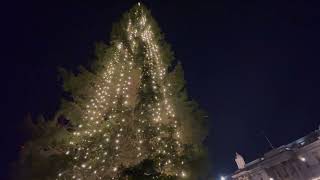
[126, 117]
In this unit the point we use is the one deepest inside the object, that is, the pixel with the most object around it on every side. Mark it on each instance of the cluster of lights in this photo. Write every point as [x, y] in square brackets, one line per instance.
[112, 95]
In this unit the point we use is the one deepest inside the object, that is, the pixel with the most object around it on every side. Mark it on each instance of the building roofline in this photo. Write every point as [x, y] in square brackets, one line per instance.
[303, 141]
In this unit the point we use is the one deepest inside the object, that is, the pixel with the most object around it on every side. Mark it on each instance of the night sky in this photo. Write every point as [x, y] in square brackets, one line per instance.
[253, 66]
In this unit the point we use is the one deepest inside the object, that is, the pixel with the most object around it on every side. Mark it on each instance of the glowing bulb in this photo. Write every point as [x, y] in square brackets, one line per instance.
[119, 46]
[183, 174]
[303, 159]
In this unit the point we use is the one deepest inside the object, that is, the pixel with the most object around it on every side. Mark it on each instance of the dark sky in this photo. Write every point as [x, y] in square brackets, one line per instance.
[253, 65]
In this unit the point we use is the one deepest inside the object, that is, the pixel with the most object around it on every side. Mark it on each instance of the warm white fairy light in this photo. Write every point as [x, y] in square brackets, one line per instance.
[118, 74]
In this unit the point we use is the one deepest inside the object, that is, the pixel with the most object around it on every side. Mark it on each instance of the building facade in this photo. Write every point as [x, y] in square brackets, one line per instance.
[299, 160]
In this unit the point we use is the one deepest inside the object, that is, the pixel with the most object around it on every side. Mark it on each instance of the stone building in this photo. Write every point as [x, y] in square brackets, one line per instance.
[299, 160]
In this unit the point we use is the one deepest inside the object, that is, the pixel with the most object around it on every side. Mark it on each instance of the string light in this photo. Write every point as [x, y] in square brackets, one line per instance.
[104, 106]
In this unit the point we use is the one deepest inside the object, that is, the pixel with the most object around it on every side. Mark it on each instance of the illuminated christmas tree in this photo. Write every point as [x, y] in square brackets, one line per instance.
[128, 115]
